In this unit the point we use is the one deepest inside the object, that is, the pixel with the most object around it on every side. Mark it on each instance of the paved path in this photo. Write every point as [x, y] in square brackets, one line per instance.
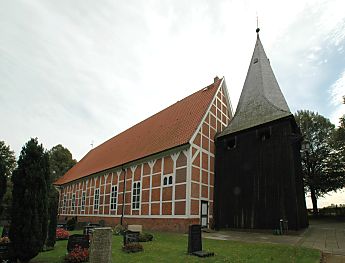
[254, 237]
[325, 235]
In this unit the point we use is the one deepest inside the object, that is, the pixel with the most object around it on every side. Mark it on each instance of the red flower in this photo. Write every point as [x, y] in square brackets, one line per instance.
[78, 255]
[61, 234]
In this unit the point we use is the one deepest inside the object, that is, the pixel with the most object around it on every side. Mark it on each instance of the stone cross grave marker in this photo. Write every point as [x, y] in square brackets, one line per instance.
[100, 249]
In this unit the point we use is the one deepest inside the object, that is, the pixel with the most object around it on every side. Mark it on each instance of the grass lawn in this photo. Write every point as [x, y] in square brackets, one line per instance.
[172, 247]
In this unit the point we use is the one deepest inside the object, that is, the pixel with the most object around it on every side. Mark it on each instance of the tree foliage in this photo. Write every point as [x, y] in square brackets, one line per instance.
[7, 201]
[61, 161]
[53, 211]
[7, 165]
[339, 137]
[323, 171]
[28, 229]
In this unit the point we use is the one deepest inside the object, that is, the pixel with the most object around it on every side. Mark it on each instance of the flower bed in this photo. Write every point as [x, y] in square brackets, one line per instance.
[4, 240]
[77, 255]
[61, 234]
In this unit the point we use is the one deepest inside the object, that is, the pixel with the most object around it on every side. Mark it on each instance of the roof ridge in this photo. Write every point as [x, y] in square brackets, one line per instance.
[169, 128]
[140, 122]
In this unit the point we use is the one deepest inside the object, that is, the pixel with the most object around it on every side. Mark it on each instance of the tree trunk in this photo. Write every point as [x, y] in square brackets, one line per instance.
[314, 201]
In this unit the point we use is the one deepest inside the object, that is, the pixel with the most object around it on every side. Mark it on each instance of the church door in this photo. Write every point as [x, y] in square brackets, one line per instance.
[204, 214]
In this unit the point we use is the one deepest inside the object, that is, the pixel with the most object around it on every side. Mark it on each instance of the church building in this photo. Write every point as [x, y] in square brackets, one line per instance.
[194, 163]
[158, 173]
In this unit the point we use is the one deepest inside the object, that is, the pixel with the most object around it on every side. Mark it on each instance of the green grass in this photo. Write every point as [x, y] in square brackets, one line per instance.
[172, 247]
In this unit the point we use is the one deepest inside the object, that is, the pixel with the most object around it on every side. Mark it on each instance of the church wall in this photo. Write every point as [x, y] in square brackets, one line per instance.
[172, 185]
[162, 195]
[203, 154]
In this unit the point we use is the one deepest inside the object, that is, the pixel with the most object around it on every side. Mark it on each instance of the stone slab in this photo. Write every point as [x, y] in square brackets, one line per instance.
[135, 228]
[100, 248]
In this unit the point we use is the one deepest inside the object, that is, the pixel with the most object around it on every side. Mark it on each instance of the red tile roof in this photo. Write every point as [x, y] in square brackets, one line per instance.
[169, 128]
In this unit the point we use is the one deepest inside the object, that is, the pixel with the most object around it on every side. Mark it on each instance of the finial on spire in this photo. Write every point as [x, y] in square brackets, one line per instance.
[257, 24]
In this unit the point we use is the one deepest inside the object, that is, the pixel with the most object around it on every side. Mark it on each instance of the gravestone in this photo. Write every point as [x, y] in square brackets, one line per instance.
[195, 242]
[130, 237]
[77, 240]
[61, 225]
[194, 239]
[135, 228]
[100, 248]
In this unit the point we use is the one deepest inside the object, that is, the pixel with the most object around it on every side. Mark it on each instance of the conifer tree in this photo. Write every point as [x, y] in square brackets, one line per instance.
[30, 179]
[53, 211]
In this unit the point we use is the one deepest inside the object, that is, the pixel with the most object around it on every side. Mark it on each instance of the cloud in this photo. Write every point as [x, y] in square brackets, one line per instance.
[73, 72]
[337, 91]
[306, 56]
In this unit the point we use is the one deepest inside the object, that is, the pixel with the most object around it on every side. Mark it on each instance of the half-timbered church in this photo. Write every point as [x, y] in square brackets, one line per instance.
[160, 173]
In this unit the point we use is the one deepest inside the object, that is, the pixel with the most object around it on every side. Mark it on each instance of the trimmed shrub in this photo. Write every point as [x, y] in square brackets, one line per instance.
[101, 223]
[145, 237]
[132, 247]
[119, 230]
[71, 223]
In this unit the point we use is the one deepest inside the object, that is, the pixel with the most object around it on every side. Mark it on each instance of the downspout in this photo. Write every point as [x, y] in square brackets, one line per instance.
[123, 195]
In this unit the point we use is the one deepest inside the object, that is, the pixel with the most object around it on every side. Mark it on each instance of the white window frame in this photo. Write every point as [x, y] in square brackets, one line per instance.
[136, 190]
[168, 180]
[113, 197]
[83, 200]
[96, 200]
[64, 203]
[73, 202]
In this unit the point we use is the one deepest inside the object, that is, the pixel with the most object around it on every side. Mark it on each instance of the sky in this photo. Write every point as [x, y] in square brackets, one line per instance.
[79, 72]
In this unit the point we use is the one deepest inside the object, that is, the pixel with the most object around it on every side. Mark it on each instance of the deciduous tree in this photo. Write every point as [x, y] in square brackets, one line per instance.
[322, 169]
[61, 161]
[7, 164]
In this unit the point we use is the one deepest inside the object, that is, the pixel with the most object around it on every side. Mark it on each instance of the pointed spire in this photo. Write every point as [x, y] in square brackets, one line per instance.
[261, 100]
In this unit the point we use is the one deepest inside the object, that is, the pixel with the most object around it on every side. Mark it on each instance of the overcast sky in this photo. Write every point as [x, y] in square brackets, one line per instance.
[79, 72]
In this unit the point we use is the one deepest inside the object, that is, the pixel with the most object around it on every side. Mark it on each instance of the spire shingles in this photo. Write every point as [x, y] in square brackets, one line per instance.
[261, 100]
